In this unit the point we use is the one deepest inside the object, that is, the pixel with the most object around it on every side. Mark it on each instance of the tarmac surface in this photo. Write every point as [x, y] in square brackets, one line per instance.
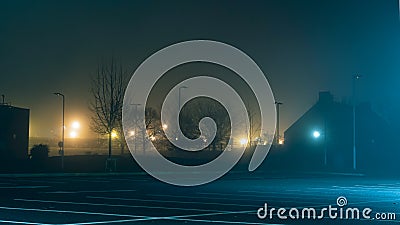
[233, 199]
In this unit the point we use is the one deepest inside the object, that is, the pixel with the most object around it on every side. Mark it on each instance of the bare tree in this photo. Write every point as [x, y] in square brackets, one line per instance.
[202, 107]
[255, 127]
[107, 88]
[152, 125]
[152, 119]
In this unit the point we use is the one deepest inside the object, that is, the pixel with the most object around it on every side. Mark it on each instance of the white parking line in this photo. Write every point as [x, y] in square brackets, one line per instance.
[24, 187]
[22, 222]
[114, 205]
[171, 201]
[72, 212]
[88, 191]
[244, 195]
[231, 198]
[210, 214]
[137, 218]
[114, 221]
[223, 221]
[40, 181]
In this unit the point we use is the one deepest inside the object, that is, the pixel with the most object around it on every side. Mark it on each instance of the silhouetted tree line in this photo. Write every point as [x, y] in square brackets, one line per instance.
[202, 107]
[39, 152]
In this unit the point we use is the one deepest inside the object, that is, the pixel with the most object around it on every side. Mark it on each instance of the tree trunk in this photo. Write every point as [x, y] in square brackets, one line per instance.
[122, 145]
[144, 140]
[109, 144]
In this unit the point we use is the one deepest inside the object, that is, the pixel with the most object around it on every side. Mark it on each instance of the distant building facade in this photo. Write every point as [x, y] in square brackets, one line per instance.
[327, 127]
[14, 133]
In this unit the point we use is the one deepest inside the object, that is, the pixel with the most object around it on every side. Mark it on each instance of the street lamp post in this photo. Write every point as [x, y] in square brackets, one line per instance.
[355, 78]
[63, 128]
[325, 145]
[278, 104]
[317, 134]
[179, 102]
[135, 129]
[179, 98]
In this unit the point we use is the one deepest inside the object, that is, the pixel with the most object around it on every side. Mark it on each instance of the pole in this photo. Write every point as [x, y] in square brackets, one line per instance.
[355, 78]
[135, 129]
[278, 104]
[63, 131]
[179, 98]
[325, 145]
[63, 128]
[179, 101]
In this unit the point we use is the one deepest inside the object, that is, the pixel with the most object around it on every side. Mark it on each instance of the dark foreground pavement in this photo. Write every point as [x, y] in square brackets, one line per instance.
[234, 199]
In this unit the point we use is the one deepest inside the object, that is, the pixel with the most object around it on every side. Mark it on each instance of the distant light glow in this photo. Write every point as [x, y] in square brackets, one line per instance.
[132, 133]
[76, 125]
[243, 141]
[281, 141]
[164, 126]
[114, 134]
[152, 138]
[73, 134]
[316, 134]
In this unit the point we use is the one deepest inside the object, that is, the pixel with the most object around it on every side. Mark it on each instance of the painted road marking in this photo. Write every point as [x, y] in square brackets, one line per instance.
[71, 212]
[137, 218]
[24, 187]
[171, 201]
[22, 222]
[95, 191]
[224, 198]
[119, 205]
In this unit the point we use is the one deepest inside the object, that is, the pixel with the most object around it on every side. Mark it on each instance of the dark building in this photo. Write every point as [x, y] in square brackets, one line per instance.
[14, 133]
[323, 138]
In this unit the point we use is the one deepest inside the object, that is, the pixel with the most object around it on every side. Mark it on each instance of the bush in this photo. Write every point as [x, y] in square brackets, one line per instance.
[39, 152]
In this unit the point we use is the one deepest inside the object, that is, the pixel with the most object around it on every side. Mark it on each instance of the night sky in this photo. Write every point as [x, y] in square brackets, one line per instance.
[302, 47]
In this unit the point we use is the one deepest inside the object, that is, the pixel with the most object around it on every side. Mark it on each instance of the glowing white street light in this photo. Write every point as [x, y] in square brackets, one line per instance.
[76, 125]
[316, 134]
[243, 141]
[73, 134]
[164, 126]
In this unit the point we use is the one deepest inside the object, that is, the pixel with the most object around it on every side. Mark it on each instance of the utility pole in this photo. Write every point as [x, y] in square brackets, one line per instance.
[277, 104]
[325, 144]
[355, 78]
[135, 129]
[63, 128]
[179, 102]
[179, 98]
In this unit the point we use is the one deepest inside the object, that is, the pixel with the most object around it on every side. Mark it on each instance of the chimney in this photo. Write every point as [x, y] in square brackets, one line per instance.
[325, 97]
